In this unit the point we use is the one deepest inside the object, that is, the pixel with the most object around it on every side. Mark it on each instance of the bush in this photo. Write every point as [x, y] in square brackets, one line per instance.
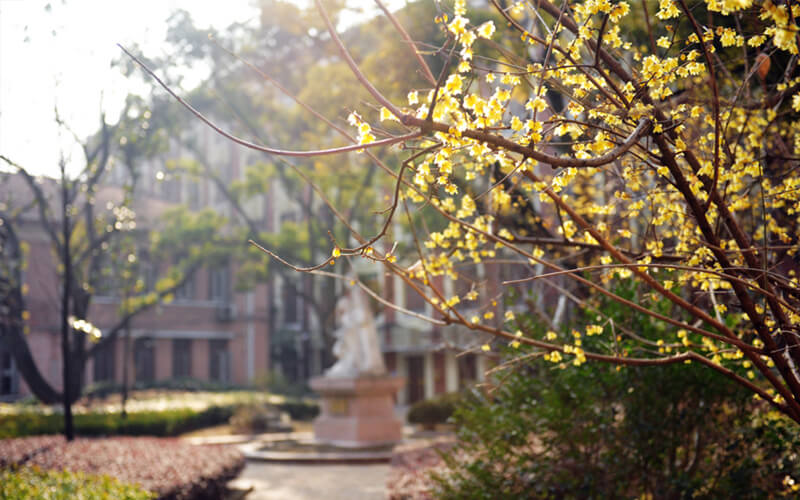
[299, 409]
[554, 430]
[255, 418]
[33, 483]
[430, 412]
[169, 467]
[107, 388]
[150, 423]
[552, 433]
[277, 383]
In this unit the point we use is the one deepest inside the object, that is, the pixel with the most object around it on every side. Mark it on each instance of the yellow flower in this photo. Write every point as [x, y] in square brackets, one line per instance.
[387, 115]
[536, 104]
[486, 30]
[453, 84]
[457, 26]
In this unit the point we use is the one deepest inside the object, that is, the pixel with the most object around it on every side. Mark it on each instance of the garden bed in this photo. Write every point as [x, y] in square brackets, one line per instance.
[412, 465]
[168, 467]
[34, 483]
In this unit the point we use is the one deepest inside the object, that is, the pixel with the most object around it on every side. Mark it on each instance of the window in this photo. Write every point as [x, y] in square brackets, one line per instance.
[144, 359]
[104, 362]
[182, 358]
[414, 301]
[193, 195]
[219, 360]
[108, 286]
[467, 369]
[186, 291]
[219, 285]
[415, 368]
[171, 190]
[148, 273]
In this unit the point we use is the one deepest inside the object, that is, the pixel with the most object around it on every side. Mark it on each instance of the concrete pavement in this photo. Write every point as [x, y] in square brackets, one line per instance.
[273, 481]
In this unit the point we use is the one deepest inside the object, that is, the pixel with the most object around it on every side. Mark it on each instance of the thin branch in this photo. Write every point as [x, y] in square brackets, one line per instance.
[265, 149]
[403, 33]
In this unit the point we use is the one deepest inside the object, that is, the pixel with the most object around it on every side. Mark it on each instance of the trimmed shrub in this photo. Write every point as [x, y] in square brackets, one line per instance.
[105, 389]
[299, 409]
[146, 423]
[257, 418]
[34, 483]
[430, 412]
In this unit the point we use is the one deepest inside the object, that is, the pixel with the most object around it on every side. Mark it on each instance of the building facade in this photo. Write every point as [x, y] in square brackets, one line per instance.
[211, 331]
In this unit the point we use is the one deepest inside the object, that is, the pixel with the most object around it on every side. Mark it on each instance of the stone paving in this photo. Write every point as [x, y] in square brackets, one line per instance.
[272, 481]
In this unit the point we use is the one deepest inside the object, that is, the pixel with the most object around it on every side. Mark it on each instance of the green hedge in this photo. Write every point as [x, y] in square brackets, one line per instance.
[299, 409]
[433, 411]
[105, 389]
[32, 483]
[146, 423]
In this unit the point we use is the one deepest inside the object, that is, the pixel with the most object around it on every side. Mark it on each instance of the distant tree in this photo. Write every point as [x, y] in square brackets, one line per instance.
[273, 108]
[82, 236]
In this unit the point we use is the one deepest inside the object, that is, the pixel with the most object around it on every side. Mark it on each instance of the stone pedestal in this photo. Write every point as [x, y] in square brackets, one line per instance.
[357, 412]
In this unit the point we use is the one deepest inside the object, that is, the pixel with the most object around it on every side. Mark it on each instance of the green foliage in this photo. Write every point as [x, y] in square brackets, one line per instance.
[256, 418]
[144, 423]
[277, 383]
[300, 409]
[195, 235]
[107, 388]
[433, 411]
[553, 430]
[33, 483]
[592, 431]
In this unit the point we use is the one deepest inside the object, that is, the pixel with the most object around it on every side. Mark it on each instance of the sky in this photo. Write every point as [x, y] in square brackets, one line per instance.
[58, 54]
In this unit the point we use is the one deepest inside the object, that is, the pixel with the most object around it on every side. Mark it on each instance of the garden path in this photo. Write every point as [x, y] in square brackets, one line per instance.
[272, 481]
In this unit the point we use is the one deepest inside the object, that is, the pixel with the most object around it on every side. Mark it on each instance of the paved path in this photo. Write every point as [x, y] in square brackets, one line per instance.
[317, 482]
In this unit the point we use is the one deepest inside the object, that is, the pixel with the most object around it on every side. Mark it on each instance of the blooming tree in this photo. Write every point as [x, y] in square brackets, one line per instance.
[599, 141]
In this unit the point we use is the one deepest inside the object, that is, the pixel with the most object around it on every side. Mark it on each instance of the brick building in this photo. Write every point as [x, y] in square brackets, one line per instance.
[213, 332]
[210, 331]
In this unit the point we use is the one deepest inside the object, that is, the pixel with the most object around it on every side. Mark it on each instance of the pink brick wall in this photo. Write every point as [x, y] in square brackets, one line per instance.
[163, 358]
[200, 359]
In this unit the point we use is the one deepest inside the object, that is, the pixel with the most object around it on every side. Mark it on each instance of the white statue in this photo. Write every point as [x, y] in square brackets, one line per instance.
[356, 347]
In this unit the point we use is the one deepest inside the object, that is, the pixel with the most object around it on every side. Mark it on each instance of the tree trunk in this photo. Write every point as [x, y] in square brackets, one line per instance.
[12, 333]
[14, 339]
[126, 350]
[66, 328]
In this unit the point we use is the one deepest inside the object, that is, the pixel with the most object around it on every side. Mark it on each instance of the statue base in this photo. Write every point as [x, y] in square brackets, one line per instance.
[357, 412]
